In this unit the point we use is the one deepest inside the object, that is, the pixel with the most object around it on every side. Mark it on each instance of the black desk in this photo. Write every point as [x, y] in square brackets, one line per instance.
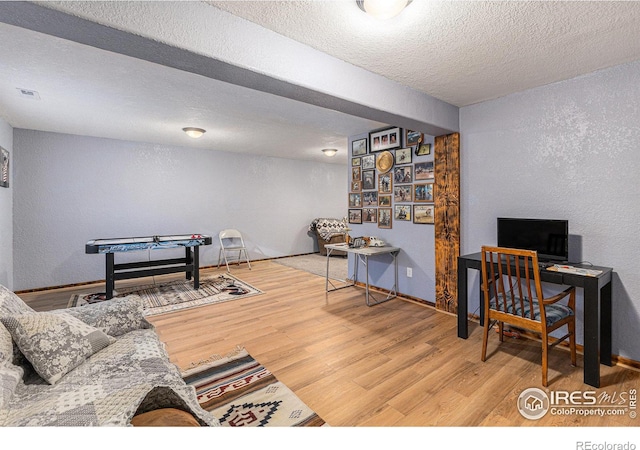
[597, 310]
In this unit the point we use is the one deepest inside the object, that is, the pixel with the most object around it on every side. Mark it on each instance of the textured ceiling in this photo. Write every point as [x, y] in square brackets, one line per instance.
[462, 52]
[91, 92]
[457, 51]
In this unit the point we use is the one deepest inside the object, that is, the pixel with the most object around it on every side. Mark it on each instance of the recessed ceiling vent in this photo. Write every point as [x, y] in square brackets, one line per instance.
[28, 93]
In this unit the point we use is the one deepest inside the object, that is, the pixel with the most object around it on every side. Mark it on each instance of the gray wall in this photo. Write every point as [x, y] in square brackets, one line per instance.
[6, 211]
[569, 151]
[70, 189]
[416, 242]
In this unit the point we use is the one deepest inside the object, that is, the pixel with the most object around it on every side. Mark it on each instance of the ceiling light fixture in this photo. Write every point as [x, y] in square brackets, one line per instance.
[329, 151]
[194, 132]
[383, 9]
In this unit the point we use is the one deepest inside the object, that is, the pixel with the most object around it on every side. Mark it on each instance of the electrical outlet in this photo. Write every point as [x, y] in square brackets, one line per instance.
[409, 272]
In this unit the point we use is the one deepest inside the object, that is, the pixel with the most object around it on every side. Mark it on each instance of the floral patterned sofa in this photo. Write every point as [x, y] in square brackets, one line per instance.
[95, 365]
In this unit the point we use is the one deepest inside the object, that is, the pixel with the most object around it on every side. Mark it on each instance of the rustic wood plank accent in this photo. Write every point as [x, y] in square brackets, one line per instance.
[446, 194]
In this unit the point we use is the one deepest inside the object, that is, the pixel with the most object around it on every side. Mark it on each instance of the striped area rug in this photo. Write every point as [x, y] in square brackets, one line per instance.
[241, 392]
[177, 295]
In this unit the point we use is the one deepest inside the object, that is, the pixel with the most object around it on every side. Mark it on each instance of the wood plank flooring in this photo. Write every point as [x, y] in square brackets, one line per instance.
[395, 364]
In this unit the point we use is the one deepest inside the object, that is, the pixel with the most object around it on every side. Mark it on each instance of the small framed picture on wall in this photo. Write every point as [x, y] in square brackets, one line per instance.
[423, 214]
[403, 156]
[385, 184]
[423, 149]
[423, 192]
[370, 198]
[384, 139]
[403, 174]
[355, 200]
[412, 138]
[369, 215]
[368, 179]
[4, 168]
[359, 147]
[402, 193]
[423, 171]
[368, 162]
[384, 218]
[403, 212]
[355, 216]
[384, 200]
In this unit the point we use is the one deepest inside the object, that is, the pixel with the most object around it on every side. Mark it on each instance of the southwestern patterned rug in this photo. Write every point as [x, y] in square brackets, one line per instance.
[241, 392]
[178, 295]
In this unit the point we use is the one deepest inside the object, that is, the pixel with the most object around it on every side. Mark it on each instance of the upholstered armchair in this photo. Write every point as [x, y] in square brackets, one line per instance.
[328, 231]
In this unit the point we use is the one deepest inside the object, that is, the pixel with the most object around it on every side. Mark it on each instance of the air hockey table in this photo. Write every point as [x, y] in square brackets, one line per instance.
[189, 264]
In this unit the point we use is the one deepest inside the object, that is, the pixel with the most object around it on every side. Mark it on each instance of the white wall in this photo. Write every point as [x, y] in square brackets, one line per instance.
[6, 211]
[70, 189]
[568, 151]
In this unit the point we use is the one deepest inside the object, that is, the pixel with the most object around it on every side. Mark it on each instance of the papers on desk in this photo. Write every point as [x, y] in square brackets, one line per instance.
[575, 270]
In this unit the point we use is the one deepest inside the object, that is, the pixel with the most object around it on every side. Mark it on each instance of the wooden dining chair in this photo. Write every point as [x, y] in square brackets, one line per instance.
[513, 294]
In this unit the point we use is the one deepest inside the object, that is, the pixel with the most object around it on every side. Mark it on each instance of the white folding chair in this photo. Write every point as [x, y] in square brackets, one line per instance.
[231, 241]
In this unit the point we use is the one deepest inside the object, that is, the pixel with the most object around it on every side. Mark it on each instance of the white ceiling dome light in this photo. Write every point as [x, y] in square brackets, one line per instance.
[329, 151]
[194, 132]
[383, 9]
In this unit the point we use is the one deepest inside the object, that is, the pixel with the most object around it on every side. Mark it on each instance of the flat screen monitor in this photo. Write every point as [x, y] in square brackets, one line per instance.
[550, 238]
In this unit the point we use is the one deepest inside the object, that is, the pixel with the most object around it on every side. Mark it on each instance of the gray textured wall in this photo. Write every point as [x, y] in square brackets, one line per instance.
[570, 151]
[6, 212]
[70, 189]
[416, 242]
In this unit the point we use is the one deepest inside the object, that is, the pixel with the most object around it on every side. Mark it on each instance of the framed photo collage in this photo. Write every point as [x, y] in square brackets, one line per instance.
[391, 181]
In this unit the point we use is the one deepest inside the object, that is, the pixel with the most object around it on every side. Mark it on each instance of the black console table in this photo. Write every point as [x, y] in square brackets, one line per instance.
[596, 317]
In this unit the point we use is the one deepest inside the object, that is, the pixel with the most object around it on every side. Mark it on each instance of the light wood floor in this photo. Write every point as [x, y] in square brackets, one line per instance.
[393, 364]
